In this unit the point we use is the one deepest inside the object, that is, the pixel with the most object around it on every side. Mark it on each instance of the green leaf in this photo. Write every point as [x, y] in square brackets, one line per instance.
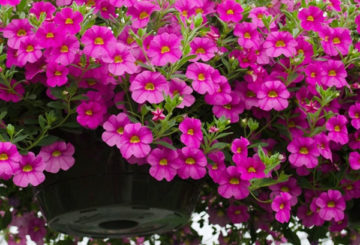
[48, 140]
[219, 145]
[3, 114]
[19, 138]
[292, 237]
[5, 220]
[42, 121]
[198, 20]
[165, 144]
[259, 183]
[56, 104]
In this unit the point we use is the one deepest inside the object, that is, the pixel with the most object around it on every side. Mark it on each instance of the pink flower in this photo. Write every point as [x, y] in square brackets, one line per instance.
[333, 74]
[98, 41]
[17, 31]
[9, 2]
[332, 205]
[37, 230]
[354, 114]
[48, 35]
[9, 158]
[164, 163]
[256, 15]
[29, 51]
[30, 171]
[273, 95]
[140, 12]
[191, 132]
[43, 7]
[281, 205]
[149, 86]
[164, 48]
[322, 143]
[216, 166]
[201, 75]
[137, 140]
[221, 96]
[205, 48]
[278, 43]
[303, 152]
[335, 40]
[290, 186]
[193, 162]
[238, 214]
[248, 35]
[56, 75]
[239, 147]
[177, 86]
[114, 129]
[232, 185]
[14, 93]
[90, 114]
[120, 60]
[313, 73]
[229, 11]
[58, 155]
[231, 110]
[250, 168]
[354, 160]
[65, 52]
[337, 129]
[69, 20]
[311, 18]
[158, 114]
[357, 22]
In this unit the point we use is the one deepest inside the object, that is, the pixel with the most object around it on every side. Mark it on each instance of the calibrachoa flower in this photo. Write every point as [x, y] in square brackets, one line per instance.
[323, 146]
[90, 114]
[137, 140]
[191, 132]
[17, 31]
[337, 129]
[231, 110]
[58, 155]
[229, 11]
[201, 75]
[65, 53]
[120, 60]
[238, 214]
[114, 129]
[354, 160]
[56, 75]
[204, 48]
[149, 86]
[354, 114]
[9, 158]
[98, 41]
[281, 205]
[177, 86]
[30, 171]
[158, 114]
[140, 12]
[216, 166]
[290, 187]
[251, 167]
[311, 18]
[232, 185]
[303, 152]
[333, 74]
[29, 51]
[164, 163]
[335, 40]
[278, 43]
[46, 8]
[69, 20]
[13, 93]
[192, 163]
[48, 35]
[248, 36]
[332, 205]
[239, 147]
[273, 95]
[164, 48]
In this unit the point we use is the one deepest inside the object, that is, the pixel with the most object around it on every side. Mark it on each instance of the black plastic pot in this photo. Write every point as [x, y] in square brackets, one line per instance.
[103, 196]
[354, 214]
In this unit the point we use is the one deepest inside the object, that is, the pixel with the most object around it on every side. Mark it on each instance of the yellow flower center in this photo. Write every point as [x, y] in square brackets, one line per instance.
[337, 128]
[149, 86]
[49, 35]
[190, 161]
[304, 150]
[143, 15]
[56, 153]
[69, 21]
[163, 162]
[228, 107]
[251, 170]
[313, 74]
[27, 168]
[58, 73]
[332, 73]
[201, 77]
[280, 44]
[349, 187]
[91, 82]
[300, 51]
[4, 157]
[184, 13]
[134, 139]
[284, 189]
[259, 16]
[200, 51]
[237, 212]
[165, 49]
[64, 49]
[272, 94]
[190, 131]
[89, 112]
[99, 41]
[336, 40]
[199, 10]
[247, 35]
[120, 130]
[291, 124]
[104, 9]
[282, 206]
[118, 59]
[214, 166]
[331, 204]
[230, 11]
[21, 33]
[310, 18]
[239, 150]
[29, 48]
[234, 181]
[357, 115]
[250, 94]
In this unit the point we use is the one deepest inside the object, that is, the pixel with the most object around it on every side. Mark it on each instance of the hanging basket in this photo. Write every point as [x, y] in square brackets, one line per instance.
[103, 196]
